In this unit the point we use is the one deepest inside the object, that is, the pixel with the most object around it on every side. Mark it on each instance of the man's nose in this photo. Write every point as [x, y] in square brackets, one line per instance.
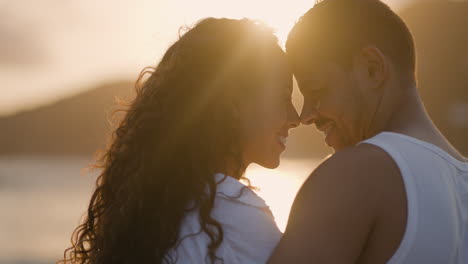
[309, 114]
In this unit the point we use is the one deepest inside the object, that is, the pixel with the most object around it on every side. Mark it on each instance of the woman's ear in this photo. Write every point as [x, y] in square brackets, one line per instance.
[373, 66]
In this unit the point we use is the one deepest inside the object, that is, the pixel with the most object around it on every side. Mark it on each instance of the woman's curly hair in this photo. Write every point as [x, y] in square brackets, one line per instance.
[179, 131]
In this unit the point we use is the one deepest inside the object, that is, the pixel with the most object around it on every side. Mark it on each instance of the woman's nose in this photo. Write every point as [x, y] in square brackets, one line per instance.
[293, 118]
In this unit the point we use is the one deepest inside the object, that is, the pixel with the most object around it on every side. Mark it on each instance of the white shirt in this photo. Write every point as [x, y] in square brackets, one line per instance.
[436, 186]
[250, 231]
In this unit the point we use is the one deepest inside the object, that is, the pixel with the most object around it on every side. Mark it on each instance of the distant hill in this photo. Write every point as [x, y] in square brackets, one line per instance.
[76, 125]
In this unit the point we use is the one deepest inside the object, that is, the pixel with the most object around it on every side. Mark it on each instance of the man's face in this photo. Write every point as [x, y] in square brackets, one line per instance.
[333, 100]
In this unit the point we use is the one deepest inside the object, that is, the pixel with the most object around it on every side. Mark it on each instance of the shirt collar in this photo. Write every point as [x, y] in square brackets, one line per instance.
[231, 189]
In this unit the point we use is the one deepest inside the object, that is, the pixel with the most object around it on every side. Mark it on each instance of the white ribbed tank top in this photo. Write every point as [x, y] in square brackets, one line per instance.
[436, 187]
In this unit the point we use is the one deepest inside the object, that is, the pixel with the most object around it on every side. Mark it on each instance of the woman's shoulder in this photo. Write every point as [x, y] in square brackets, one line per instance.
[250, 230]
[231, 190]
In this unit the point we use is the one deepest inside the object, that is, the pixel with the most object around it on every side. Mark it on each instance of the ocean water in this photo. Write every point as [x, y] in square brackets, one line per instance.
[42, 200]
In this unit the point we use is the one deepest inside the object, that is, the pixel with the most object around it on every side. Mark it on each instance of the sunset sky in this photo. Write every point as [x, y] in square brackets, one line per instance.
[55, 48]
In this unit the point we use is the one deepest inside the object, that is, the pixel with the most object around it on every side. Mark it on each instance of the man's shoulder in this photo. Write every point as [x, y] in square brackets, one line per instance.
[362, 160]
[340, 204]
[361, 168]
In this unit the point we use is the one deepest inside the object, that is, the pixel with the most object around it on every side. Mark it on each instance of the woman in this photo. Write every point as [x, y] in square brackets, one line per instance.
[219, 100]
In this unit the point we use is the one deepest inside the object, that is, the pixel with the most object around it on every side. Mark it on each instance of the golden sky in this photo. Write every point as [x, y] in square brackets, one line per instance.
[55, 48]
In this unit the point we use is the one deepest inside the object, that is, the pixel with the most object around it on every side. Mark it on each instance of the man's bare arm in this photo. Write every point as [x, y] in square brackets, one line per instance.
[336, 208]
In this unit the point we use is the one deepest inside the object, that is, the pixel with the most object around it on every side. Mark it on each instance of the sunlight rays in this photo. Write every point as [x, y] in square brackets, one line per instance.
[277, 187]
[281, 15]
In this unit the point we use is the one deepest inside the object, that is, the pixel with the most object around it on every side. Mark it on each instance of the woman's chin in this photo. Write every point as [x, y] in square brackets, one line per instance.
[272, 163]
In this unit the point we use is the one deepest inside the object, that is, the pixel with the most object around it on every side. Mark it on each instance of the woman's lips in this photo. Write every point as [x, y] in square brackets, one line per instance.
[282, 140]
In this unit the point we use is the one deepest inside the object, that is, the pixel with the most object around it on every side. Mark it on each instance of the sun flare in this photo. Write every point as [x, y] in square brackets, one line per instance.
[280, 15]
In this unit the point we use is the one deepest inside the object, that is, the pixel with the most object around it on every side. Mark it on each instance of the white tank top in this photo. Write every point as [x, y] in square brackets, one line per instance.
[437, 194]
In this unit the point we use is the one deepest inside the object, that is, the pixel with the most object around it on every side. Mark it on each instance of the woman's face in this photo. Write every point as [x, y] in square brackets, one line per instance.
[268, 114]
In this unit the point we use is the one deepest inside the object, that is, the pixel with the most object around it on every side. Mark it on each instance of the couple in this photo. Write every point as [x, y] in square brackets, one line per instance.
[395, 191]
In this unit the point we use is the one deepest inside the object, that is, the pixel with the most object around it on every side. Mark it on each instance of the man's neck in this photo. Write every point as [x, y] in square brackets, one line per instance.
[411, 118]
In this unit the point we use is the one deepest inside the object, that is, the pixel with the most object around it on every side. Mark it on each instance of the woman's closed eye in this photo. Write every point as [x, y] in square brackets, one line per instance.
[286, 100]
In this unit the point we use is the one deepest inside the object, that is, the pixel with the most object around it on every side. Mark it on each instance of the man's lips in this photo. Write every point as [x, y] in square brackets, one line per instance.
[327, 127]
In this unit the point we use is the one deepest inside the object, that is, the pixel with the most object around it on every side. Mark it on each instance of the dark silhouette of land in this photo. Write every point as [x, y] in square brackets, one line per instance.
[77, 125]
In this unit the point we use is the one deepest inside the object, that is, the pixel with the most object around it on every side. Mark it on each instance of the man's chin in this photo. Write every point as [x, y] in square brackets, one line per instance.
[337, 148]
[335, 142]
[341, 145]
[337, 145]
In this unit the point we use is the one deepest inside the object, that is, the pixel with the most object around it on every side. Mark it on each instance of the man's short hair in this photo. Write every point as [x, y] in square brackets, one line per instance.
[336, 29]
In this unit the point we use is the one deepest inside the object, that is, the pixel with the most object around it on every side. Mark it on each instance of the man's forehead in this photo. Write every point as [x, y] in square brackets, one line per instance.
[307, 67]
[305, 61]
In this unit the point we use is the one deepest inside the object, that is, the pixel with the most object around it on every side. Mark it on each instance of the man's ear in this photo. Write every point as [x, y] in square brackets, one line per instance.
[373, 66]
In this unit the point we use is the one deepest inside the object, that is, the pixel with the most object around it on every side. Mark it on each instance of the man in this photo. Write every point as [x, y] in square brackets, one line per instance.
[395, 191]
